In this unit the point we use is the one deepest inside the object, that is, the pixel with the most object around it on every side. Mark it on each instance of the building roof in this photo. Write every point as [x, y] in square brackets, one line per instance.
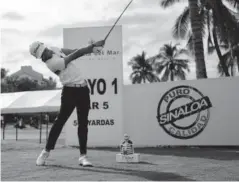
[28, 71]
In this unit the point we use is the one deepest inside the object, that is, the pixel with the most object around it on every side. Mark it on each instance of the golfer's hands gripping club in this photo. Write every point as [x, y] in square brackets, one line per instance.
[100, 43]
[98, 46]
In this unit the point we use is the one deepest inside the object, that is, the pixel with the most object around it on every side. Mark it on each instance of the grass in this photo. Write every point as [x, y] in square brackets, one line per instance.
[157, 164]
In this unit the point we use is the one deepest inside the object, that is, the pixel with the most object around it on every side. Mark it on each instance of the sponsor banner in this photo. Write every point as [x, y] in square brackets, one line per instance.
[104, 74]
[195, 112]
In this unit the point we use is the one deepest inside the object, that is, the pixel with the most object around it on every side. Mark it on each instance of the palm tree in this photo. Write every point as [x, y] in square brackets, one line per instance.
[169, 64]
[215, 17]
[225, 29]
[142, 70]
[197, 37]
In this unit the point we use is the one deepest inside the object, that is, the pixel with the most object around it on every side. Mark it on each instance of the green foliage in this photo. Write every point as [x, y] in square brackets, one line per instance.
[221, 24]
[14, 84]
[167, 63]
[142, 70]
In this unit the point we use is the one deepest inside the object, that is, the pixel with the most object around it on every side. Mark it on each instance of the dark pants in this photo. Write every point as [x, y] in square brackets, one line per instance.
[72, 97]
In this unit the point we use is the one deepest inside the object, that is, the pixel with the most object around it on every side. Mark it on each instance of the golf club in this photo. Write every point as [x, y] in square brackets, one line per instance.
[117, 20]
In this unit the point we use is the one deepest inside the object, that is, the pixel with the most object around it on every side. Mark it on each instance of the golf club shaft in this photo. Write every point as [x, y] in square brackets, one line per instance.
[117, 20]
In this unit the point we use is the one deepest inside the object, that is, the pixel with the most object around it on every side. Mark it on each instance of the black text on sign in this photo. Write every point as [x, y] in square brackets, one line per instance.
[100, 86]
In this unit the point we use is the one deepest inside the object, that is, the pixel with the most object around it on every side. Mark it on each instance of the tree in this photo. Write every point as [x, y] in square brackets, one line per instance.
[225, 29]
[26, 84]
[50, 84]
[3, 73]
[170, 64]
[8, 85]
[14, 84]
[197, 40]
[142, 70]
[216, 18]
[211, 23]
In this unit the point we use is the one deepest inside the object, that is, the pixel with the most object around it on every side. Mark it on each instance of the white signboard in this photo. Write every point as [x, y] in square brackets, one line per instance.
[195, 112]
[104, 73]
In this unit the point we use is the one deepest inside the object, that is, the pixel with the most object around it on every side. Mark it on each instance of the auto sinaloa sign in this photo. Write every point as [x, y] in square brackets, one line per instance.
[187, 120]
[104, 74]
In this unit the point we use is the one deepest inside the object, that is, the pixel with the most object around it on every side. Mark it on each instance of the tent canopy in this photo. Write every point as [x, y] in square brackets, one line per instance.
[30, 102]
[8, 98]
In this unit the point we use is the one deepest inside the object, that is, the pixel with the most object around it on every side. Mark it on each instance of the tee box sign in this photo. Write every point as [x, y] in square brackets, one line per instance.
[104, 74]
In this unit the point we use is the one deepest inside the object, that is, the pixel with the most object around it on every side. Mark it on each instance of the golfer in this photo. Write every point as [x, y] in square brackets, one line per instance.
[75, 93]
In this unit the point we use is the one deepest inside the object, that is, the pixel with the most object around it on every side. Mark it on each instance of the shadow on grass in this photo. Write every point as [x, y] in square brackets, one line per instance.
[145, 175]
[206, 153]
[147, 163]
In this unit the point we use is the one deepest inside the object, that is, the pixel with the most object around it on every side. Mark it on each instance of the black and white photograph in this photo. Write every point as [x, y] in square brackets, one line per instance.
[119, 90]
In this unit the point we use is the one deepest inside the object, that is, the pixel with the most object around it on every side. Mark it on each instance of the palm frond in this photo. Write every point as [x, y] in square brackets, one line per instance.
[234, 3]
[162, 55]
[167, 51]
[182, 63]
[159, 68]
[152, 77]
[137, 79]
[168, 3]
[142, 68]
[157, 79]
[181, 26]
[179, 73]
[180, 52]
[134, 73]
[225, 22]
[166, 75]
[153, 59]
[175, 49]
[183, 51]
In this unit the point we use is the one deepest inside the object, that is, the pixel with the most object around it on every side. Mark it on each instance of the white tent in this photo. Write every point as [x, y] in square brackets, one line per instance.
[53, 104]
[8, 98]
[30, 102]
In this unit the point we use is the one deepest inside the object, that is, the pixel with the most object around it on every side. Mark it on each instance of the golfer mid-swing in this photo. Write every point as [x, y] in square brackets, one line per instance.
[75, 93]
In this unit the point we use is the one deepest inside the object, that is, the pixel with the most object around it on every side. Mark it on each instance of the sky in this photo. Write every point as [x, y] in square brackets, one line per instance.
[146, 27]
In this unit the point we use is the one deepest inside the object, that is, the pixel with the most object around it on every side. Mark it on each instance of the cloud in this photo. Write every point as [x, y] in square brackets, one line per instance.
[146, 26]
[131, 20]
[15, 56]
[13, 16]
[14, 42]
[54, 31]
[10, 30]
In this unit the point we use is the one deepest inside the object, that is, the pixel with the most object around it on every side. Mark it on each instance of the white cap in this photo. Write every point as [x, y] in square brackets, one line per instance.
[36, 49]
